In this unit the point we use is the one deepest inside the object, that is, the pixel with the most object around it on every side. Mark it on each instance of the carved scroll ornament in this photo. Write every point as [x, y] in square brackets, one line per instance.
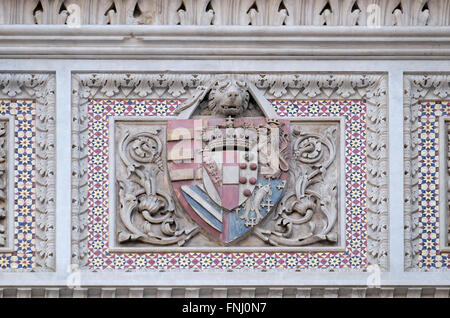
[147, 210]
[308, 210]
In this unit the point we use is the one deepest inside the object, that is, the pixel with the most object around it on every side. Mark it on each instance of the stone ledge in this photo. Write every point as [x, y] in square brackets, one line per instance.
[227, 292]
[224, 42]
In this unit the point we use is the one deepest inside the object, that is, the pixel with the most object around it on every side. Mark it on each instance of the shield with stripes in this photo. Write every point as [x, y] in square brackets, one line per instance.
[228, 174]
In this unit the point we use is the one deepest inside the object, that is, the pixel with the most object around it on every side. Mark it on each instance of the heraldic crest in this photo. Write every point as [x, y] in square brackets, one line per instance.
[233, 168]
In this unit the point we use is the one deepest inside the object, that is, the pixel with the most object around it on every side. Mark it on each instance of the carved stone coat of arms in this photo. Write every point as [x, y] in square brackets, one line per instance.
[224, 172]
[237, 174]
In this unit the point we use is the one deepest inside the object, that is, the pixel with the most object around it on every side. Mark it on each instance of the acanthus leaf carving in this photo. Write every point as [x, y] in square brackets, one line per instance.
[427, 87]
[227, 12]
[308, 211]
[196, 12]
[304, 12]
[157, 12]
[231, 12]
[341, 13]
[411, 13]
[147, 211]
[267, 13]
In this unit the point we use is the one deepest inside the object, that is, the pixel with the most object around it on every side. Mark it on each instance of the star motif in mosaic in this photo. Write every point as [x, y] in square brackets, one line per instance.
[429, 113]
[24, 113]
[353, 111]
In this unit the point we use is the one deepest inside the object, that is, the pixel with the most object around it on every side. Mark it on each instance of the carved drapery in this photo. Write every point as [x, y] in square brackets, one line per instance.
[307, 86]
[418, 88]
[228, 12]
[40, 88]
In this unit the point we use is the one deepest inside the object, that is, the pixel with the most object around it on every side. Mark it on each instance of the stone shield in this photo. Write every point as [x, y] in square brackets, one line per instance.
[228, 174]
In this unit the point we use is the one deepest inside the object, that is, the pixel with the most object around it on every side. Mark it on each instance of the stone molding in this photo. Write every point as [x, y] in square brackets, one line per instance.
[224, 42]
[418, 87]
[226, 292]
[372, 88]
[228, 12]
[40, 88]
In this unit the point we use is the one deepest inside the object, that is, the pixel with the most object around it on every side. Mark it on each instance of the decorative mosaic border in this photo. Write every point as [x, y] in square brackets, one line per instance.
[30, 98]
[100, 258]
[422, 108]
[104, 86]
[431, 254]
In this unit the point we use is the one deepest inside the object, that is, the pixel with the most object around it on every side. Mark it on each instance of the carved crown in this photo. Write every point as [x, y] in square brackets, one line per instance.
[231, 138]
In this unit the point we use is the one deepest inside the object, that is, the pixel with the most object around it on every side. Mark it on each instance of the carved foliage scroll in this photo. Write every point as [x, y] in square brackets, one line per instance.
[146, 208]
[308, 211]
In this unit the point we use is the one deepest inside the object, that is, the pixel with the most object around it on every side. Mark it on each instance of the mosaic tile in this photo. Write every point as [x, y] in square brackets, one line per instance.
[24, 113]
[354, 256]
[429, 114]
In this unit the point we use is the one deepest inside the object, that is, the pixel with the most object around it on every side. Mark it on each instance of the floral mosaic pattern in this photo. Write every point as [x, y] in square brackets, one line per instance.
[354, 257]
[429, 114]
[24, 113]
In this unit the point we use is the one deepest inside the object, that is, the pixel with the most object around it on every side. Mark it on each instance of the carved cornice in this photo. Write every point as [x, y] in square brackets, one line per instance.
[372, 88]
[41, 88]
[228, 12]
[223, 42]
[225, 292]
[417, 88]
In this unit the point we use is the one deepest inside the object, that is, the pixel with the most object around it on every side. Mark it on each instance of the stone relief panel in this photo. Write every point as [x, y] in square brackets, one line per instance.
[426, 172]
[268, 215]
[146, 210]
[188, 183]
[27, 165]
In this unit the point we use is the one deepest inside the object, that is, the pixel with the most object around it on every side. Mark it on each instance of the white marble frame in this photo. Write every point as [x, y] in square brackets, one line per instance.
[396, 282]
[417, 87]
[231, 249]
[443, 180]
[371, 87]
[9, 246]
[40, 87]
